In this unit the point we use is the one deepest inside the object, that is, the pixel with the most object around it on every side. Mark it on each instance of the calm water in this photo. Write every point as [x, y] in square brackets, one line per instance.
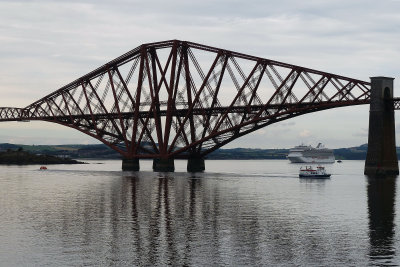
[238, 213]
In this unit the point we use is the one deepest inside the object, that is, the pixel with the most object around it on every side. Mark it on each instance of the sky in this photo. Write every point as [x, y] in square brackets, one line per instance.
[47, 44]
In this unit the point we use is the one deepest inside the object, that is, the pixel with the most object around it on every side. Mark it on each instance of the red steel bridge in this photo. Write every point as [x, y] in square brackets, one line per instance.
[178, 99]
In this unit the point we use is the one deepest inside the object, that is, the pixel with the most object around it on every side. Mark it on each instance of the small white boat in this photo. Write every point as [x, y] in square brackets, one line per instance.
[311, 172]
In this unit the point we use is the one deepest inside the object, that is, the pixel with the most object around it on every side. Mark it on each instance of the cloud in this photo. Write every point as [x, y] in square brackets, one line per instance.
[289, 123]
[362, 133]
[305, 133]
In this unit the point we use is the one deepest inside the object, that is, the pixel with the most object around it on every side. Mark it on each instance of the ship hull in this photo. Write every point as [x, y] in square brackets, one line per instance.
[302, 159]
[320, 176]
[310, 172]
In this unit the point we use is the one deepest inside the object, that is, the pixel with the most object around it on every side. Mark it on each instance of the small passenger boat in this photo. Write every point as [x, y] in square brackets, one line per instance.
[43, 168]
[310, 172]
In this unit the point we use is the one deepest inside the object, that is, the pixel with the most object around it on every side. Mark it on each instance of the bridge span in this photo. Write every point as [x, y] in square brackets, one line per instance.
[179, 99]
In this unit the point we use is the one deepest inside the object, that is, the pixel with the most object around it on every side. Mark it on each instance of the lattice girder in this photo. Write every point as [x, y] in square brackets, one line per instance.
[179, 99]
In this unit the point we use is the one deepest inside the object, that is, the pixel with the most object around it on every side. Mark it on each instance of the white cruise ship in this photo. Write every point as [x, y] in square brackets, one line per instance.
[309, 154]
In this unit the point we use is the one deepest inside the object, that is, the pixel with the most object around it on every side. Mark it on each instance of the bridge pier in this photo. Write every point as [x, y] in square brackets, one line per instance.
[381, 155]
[129, 164]
[163, 165]
[195, 164]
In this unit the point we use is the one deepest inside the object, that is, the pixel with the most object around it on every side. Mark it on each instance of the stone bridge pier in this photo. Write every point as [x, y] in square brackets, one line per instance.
[381, 155]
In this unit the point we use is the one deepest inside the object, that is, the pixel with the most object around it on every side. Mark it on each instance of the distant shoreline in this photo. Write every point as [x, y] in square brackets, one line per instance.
[101, 151]
[20, 157]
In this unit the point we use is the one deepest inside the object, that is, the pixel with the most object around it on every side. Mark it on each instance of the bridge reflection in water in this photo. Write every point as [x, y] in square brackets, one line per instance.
[102, 218]
[203, 213]
[203, 228]
[381, 211]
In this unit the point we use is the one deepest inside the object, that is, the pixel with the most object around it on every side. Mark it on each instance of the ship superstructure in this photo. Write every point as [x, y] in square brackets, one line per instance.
[309, 154]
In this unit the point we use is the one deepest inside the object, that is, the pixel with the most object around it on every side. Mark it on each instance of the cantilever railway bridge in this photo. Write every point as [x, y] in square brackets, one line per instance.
[178, 99]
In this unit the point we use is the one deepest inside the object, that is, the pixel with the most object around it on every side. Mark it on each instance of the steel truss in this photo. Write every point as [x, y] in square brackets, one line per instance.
[178, 99]
[396, 103]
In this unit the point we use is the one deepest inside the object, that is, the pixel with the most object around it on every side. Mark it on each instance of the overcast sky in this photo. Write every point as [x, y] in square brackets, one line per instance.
[47, 44]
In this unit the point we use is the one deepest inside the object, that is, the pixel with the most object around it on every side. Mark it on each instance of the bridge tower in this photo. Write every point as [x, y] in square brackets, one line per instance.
[381, 155]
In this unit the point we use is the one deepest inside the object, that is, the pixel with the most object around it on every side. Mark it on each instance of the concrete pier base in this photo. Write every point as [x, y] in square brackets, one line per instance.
[195, 165]
[381, 155]
[163, 165]
[130, 164]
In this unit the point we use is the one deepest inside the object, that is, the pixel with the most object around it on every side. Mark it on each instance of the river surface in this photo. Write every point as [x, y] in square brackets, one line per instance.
[237, 213]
